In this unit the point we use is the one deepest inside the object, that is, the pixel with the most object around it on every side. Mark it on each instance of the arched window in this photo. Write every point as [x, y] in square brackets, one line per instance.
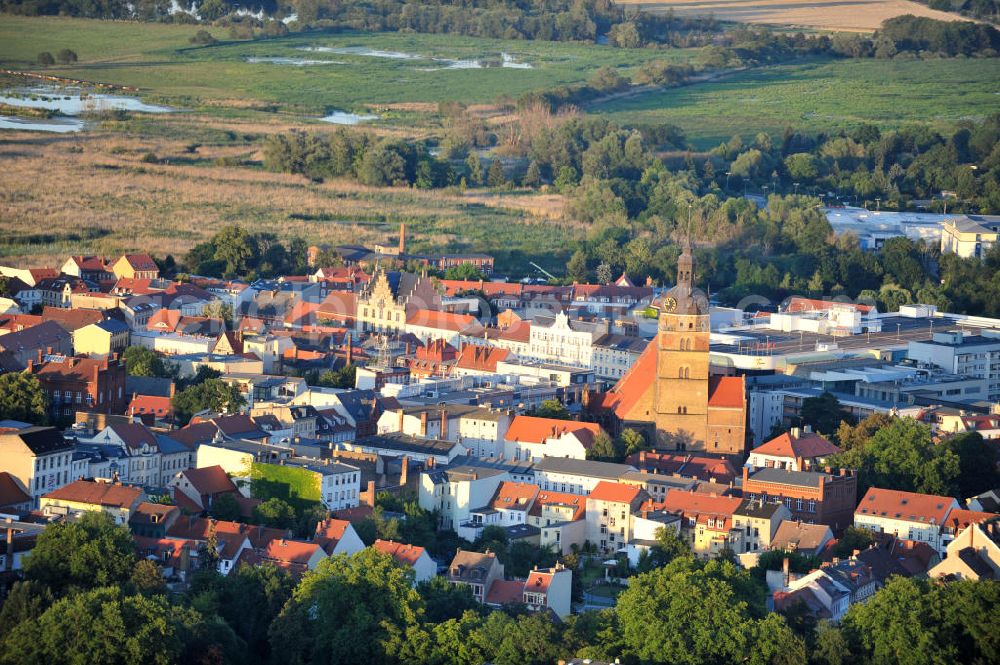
[684, 373]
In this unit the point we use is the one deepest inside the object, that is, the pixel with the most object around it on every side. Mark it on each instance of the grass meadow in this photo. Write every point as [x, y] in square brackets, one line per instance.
[823, 95]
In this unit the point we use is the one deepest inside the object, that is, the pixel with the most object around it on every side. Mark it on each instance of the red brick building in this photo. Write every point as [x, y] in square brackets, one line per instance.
[815, 497]
[81, 384]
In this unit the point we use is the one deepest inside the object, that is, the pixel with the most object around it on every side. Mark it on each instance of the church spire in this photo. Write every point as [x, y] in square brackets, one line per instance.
[685, 267]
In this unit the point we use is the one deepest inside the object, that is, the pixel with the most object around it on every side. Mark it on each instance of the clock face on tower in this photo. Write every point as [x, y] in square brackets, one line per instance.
[670, 304]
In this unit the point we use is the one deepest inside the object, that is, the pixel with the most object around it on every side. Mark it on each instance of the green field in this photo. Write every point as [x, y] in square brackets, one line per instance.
[823, 95]
[159, 60]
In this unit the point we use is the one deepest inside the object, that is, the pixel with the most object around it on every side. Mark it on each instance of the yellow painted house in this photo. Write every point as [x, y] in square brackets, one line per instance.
[83, 496]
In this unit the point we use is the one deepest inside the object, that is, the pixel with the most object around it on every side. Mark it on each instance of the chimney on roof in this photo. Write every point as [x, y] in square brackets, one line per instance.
[423, 423]
[404, 471]
[402, 239]
[444, 425]
[430, 462]
[785, 570]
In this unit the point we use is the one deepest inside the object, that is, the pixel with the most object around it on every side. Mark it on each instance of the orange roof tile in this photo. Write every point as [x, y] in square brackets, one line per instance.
[726, 392]
[692, 504]
[157, 406]
[531, 429]
[807, 445]
[615, 492]
[329, 532]
[430, 318]
[97, 494]
[10, 492]
[481, 358]
[906, 506]
[514, 496]
[401, 552]
[959, 519]
[538, 581]
[505, 592]
[210, 480]
[579, 503]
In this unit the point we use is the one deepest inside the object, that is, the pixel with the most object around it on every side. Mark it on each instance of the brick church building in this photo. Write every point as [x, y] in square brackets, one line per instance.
[669, 392]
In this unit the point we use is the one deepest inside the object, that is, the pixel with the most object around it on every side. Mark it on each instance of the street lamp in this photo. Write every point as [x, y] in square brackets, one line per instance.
[796, 188]
[728, 173]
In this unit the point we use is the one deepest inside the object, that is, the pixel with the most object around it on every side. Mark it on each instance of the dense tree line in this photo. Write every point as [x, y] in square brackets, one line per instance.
[988, 10]
[234, 252]
[87, 597]
[358, 155]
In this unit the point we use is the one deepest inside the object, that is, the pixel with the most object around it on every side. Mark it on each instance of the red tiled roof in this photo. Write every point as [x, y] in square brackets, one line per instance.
[481, 358]
[807, 445]
[76, 369]
[518, 332]
[210, 480]
[616, 492]
[251, 324]
[338, 306]
[726, 392]
[72, 319]
[546, 498]
[538, 581]
[800, 304]
[329, 532]
[97, 494]
[692, 504]
[958, 519]
[138, 287]
[690, 466]
[505, 592]
[514, 496]
[164, 320]
[90, 263]
[135, 435]
[290, 551]
[401, 552]
[141, 261]
[531, 429]
[905, 506]
[456, 286]
[151, 513]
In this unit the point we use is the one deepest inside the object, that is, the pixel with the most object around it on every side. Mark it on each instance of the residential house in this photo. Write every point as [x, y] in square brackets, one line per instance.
[151, 520]
[454, 493]
[974, 554]
[91, 268]
[560, 517]
[610, 507]
[476, 570]
[529, 437]
[707, 521]
[337, 537]
[802, 537]
[385, 301]
[141, 445]
[508, 507]
[811, 496]
[40, 459]
[684, 465]
[103, 338]
[195, 490]
[398, 445]
[94, 385]
[574, 476]
[429, 325]
[32, 344]
[135, 266]
[614, 354]
[796, 450]
[564, 340]
[549, 589]
[906, 515]
[409, 556]
[759, 522]
[82, 496]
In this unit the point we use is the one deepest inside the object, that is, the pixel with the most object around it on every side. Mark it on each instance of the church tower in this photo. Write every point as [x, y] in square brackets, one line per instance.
[682, 362]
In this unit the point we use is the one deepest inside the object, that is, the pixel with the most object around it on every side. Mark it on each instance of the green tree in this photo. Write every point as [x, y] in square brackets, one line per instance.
[857, 436]
[465, 271]
[147, 578]
[691, 613]
[976, 462]
[853, 538]
[45, 59]
[669, 546]
[533, 176]
[474, 169]
[235, 249]
[91, 552]
[66, 56]
[823, 413]
[576, 267]
[249, 599]
[632, 441]
[349, 610]
[98, 626]
[495, 177]
[212, 395]
[444, 601]
[26, 601]
[603, 448]
[275, 513]
[140, 361]
[22, 398]
[902, 456]
[217, 309]
[552, 408]
[225, 507]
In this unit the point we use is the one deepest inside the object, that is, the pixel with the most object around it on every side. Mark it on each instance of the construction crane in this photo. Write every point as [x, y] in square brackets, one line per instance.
[543, 270]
